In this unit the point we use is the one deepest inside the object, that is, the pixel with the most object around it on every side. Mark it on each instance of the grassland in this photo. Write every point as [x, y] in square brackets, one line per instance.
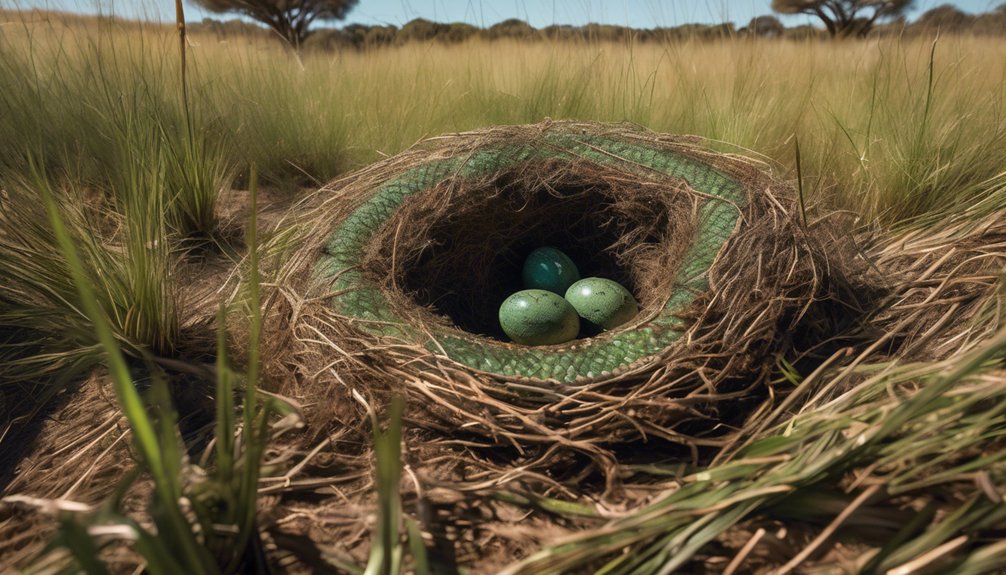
[99, 134]
[890, 129]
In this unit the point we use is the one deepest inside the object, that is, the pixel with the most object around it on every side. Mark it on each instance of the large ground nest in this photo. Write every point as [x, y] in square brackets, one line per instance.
[407, 262]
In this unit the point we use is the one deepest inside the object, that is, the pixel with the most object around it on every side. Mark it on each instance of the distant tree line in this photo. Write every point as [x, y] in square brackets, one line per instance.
[945, 19]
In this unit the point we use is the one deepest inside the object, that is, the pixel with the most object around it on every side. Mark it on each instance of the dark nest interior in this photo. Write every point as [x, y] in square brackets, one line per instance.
[457, 249]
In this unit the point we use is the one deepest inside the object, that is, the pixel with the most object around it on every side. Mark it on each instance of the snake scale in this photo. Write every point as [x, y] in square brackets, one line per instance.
[586, 359]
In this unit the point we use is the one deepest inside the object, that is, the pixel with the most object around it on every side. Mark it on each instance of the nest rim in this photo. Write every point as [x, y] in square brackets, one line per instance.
[665, 321]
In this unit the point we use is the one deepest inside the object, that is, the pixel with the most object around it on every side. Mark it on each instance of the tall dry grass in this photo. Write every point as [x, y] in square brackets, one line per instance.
[890, 128]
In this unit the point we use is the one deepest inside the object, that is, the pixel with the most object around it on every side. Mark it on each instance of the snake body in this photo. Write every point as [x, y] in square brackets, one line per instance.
[355, 297]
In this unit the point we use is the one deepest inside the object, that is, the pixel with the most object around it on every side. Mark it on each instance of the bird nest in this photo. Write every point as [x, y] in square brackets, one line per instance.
[406, 262]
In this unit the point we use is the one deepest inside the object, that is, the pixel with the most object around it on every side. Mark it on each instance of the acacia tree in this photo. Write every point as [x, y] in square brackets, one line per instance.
[291, 19]
[845, 18]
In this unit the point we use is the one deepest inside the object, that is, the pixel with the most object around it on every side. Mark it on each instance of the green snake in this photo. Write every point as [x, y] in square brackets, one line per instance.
[355, 297]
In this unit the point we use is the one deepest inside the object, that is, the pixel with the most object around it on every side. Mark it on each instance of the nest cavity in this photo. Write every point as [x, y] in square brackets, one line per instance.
[453, 253]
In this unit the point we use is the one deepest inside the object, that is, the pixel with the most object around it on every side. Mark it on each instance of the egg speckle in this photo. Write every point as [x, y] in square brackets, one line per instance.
[538, 317]
[602, 302]
[547, 268]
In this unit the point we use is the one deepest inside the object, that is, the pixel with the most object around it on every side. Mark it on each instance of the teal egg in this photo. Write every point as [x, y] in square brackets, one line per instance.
[602, 302]
[538, 317]
[549, 269]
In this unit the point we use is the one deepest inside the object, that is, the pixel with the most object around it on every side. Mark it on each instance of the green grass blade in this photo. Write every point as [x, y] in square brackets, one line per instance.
[143, 428]
[386, 548]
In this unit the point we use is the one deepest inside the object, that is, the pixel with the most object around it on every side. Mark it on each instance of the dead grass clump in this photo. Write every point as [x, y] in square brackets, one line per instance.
[948, 279]
[76, 455]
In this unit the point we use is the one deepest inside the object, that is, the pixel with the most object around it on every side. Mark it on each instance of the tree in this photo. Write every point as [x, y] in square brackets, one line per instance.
[946, 18]
[291, 19]
[765, 26]
[513, 28]
[992, 23]
[845, 18]
[419, 30]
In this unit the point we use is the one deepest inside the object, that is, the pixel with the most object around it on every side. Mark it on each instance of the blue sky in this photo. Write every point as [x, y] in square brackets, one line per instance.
[635, 13]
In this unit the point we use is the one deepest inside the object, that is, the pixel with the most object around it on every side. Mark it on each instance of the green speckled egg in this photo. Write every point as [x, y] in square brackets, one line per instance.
[538, 317]
[602, 302]
[549, 269]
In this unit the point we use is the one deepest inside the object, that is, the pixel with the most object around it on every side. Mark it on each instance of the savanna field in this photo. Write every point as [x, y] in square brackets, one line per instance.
[171, 396]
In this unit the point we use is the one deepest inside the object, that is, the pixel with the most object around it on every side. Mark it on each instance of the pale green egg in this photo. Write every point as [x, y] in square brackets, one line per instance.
[602, 302]
[549, 269]
[538, 317]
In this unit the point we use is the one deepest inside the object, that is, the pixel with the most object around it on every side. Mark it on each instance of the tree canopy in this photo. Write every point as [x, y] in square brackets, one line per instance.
[765, 26]
[291, 19]
[845, 18]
